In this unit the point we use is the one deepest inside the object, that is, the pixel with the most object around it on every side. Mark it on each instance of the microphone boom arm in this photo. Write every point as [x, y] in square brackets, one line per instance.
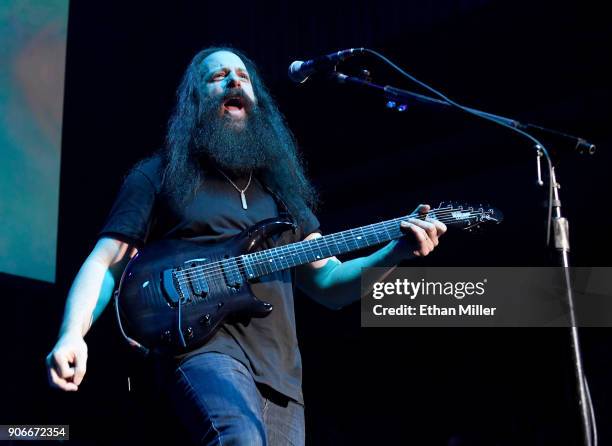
[397, 94]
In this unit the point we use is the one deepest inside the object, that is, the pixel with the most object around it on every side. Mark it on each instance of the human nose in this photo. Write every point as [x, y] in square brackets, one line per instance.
[233, 80]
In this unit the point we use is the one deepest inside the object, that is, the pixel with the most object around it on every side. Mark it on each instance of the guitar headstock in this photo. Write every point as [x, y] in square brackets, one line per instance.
[466, 216]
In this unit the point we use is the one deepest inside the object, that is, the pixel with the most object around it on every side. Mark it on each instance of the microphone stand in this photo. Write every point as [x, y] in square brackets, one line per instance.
[398, 98]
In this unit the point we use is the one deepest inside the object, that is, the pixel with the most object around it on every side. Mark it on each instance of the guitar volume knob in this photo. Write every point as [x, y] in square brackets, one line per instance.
[166, 337]
[189, 333]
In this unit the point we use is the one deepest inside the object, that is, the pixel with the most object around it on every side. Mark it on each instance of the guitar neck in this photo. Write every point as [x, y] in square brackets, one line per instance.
[264, 262]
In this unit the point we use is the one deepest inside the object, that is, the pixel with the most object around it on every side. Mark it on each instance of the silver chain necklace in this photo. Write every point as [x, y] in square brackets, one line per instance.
[242, 191]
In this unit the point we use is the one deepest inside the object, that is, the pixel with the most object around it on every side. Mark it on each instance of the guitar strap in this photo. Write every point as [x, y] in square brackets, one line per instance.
[283, 210]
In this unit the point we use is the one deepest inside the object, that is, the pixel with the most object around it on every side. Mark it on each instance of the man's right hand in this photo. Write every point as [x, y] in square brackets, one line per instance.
[66, 364]
[89, 294]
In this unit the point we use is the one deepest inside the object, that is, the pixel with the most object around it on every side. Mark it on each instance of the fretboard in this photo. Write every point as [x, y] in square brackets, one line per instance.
[264, 262]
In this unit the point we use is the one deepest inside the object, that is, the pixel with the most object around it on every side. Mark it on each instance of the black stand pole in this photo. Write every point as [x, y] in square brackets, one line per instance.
[561, 234]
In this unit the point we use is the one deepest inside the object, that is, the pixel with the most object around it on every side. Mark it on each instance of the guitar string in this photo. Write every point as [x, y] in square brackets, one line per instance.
[366, 231]
[258, 263]
[241, 270]
[258, 260]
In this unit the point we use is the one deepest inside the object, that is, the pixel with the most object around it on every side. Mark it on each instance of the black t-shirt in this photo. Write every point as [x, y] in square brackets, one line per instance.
[141, 213]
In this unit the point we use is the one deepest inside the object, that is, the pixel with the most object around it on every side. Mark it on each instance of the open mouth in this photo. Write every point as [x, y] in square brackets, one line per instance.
[234, 104]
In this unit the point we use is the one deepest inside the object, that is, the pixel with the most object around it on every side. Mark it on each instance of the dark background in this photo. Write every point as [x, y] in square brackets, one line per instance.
[541, 62]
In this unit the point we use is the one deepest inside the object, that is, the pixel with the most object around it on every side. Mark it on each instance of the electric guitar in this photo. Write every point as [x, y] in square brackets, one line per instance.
[174, 294]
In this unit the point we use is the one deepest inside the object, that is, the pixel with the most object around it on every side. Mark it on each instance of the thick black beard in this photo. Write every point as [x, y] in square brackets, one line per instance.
[237, 148]
[199, 139]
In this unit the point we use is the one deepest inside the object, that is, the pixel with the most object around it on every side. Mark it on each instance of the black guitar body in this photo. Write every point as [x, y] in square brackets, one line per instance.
[175, 287]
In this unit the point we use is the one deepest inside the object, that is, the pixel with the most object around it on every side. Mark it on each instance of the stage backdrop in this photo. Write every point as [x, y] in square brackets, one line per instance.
[32, 63]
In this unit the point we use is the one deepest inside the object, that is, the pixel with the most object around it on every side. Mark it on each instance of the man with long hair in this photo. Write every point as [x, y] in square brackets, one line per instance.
[229, 161]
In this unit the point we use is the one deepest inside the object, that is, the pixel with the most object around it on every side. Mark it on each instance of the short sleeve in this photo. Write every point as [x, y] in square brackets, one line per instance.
[130, 217]
[310, 224]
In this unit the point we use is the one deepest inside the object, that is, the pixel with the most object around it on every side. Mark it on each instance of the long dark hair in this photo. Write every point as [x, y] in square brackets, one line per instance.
[183, 174]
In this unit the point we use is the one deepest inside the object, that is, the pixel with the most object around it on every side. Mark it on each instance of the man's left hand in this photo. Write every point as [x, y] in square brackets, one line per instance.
[422, 236]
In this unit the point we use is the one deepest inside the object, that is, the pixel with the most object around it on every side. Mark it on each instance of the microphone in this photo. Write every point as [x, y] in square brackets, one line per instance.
[299, 70]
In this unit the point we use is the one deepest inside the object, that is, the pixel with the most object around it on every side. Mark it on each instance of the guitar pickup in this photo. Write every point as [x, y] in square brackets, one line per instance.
[231, 273]
[195, 277]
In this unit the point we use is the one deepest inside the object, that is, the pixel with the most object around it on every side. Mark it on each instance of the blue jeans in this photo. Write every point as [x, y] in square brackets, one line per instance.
[218, 401]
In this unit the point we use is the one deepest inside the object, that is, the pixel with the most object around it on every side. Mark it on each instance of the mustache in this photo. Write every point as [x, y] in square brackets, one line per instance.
[210, 107]
[237, 93]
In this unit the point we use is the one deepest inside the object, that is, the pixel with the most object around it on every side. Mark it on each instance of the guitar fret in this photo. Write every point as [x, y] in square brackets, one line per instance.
[320, 255]
[346, 242]
[246, 261]
[383, 232]
[395, 229]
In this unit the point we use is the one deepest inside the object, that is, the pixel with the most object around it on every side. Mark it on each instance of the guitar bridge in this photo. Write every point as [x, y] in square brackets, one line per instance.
[175, 287]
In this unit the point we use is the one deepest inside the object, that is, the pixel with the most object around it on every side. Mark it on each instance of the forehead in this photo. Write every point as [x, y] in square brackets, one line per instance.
[222, 59]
